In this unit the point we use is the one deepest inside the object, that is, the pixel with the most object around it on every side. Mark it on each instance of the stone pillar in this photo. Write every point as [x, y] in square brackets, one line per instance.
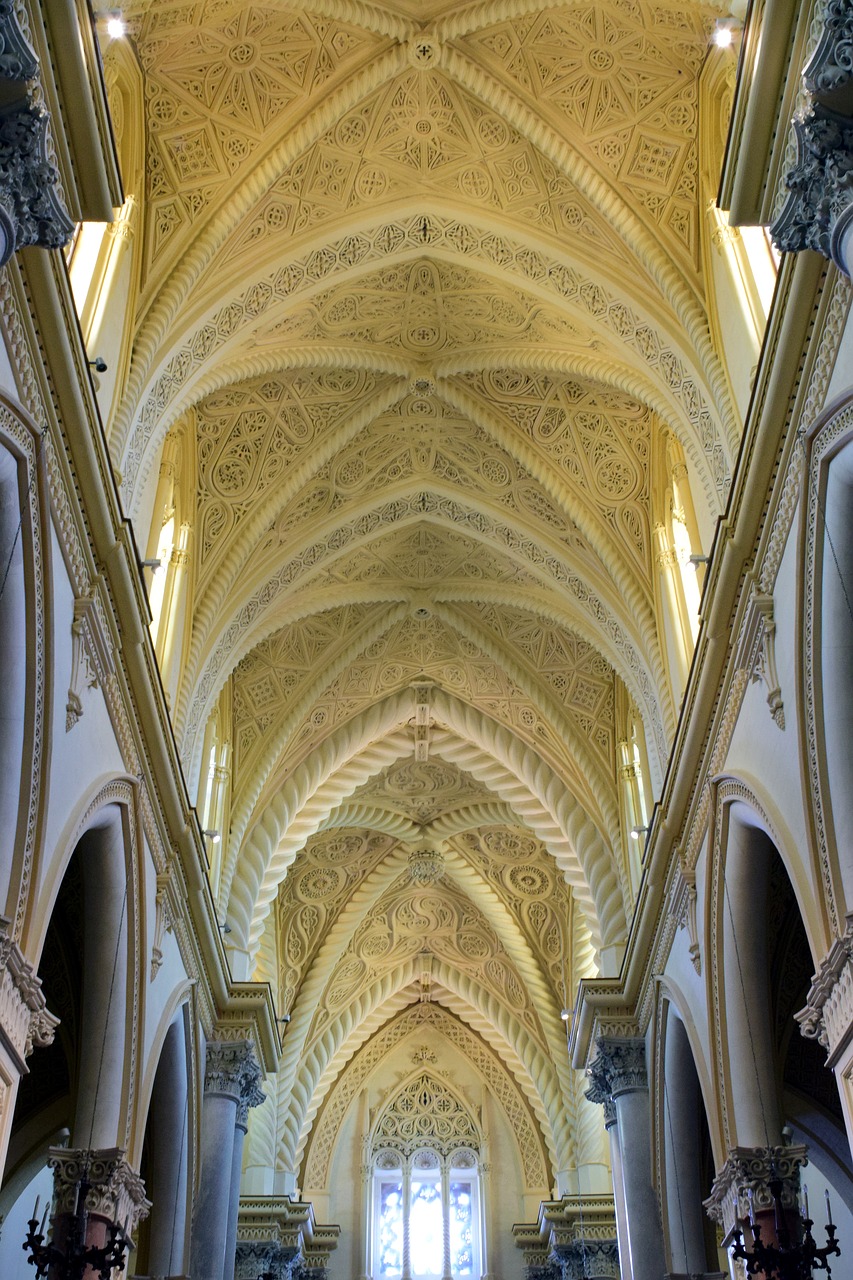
[407, 1213]
[116, 1194]
[621, 1067]
[24, 1024]
[447, 1274]
[168, 1143]
[251, 1096]
[231, 1074]
[600, 1093]
[681, 1122]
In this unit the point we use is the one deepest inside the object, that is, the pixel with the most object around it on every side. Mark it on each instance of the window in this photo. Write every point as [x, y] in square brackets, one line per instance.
[431, 1203]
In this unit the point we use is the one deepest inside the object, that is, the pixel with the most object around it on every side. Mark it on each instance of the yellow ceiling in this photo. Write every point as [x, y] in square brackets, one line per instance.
[421, 298]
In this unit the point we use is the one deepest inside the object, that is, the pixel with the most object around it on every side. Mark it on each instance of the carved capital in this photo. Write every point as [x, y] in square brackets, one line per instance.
[231, 1068]
[820, 186]
[588, 1259]
[261, 1258]
[599, 1091]
[91, 653]
[31, 210]
[115, 1192]
[750, 1169]
[621, 1064]
[828, 1013]
[830, 68]
[24, 1018]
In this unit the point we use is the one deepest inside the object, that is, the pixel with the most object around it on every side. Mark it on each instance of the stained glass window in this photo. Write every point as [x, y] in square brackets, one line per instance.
[425, 1226]
[461, 1229]
[390, 1251]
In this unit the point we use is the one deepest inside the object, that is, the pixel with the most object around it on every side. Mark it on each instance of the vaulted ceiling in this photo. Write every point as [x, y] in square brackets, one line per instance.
[421, 292]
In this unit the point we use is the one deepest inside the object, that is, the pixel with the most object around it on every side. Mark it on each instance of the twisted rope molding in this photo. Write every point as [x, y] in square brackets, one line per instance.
[253, 613]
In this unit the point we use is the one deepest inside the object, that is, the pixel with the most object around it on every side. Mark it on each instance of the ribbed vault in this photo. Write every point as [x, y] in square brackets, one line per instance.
[422, 382]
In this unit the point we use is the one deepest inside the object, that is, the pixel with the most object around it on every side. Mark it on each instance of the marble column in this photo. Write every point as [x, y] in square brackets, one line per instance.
[681, 1121]
[599, 1092]
[252, 1096]
[622, 1064]
[231, 1074]
[116, 1195]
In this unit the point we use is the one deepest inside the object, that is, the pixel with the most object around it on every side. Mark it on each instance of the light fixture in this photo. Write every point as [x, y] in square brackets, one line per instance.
[116, 27]
[75, 1258]
[99, 364]
[697, 558]
[213, 836]
[565, 1014]
[153, 564]
[723, 35]
[787, 1258]
[636, 832]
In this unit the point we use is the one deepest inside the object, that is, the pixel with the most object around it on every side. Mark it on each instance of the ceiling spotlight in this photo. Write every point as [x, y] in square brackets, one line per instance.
[723, 36]
[116, 27]
[565, 1014]
[636, 832]
[213, 836]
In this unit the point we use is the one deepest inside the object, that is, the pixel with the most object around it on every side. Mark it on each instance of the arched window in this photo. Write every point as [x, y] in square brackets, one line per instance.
[440, 1190]
[425, 1202]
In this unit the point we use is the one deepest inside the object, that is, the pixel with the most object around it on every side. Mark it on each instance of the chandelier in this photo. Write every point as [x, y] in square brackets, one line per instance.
[74, 1258]
[787, 1258]
[426, 865]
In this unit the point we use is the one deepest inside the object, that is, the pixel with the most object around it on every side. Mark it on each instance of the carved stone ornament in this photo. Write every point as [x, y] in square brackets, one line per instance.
[31, 210]
[91, 653]
[262, 1257]
[231, 1068]
[622, 1063]
[588, 1260]
[162, 922]
[757, 654]
[818, 211]
[599, 1091]
[828, 1013]
[684, 902]
[115, 1191]
[830, 67]
[24, 1019]
[749, 1169]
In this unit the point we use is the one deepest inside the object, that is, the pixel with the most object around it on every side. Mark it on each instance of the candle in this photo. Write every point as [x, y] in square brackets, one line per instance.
[829, 1222]
[805, 1201]
[752, 1206]
[35, 1216]
[44, 1218]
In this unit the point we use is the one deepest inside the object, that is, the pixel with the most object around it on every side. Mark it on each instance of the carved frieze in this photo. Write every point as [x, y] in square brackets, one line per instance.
[116, 1192]
[25, 1021]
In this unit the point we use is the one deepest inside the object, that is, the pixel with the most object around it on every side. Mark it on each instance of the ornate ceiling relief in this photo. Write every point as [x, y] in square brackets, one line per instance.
[625, 77]
[219, 80]
[429, 279]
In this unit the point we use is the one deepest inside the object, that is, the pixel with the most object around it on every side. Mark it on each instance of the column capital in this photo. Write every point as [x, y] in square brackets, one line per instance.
[588, 1260]
[599, 1091]
[116, 1191]
[750, 1169]
[828, 1012]
[619, 1066]
[231, 1068]
[261, 1257]
[24, 1018]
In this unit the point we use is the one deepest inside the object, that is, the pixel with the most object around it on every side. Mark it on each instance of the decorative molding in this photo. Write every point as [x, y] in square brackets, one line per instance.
[91, 651]
[25, 1021]
[116, 1192]
[683, 909]
[164, 917]
[744, 1181]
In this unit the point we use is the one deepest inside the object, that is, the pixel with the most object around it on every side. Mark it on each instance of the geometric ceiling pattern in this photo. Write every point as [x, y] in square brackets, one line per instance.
[420, 296]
